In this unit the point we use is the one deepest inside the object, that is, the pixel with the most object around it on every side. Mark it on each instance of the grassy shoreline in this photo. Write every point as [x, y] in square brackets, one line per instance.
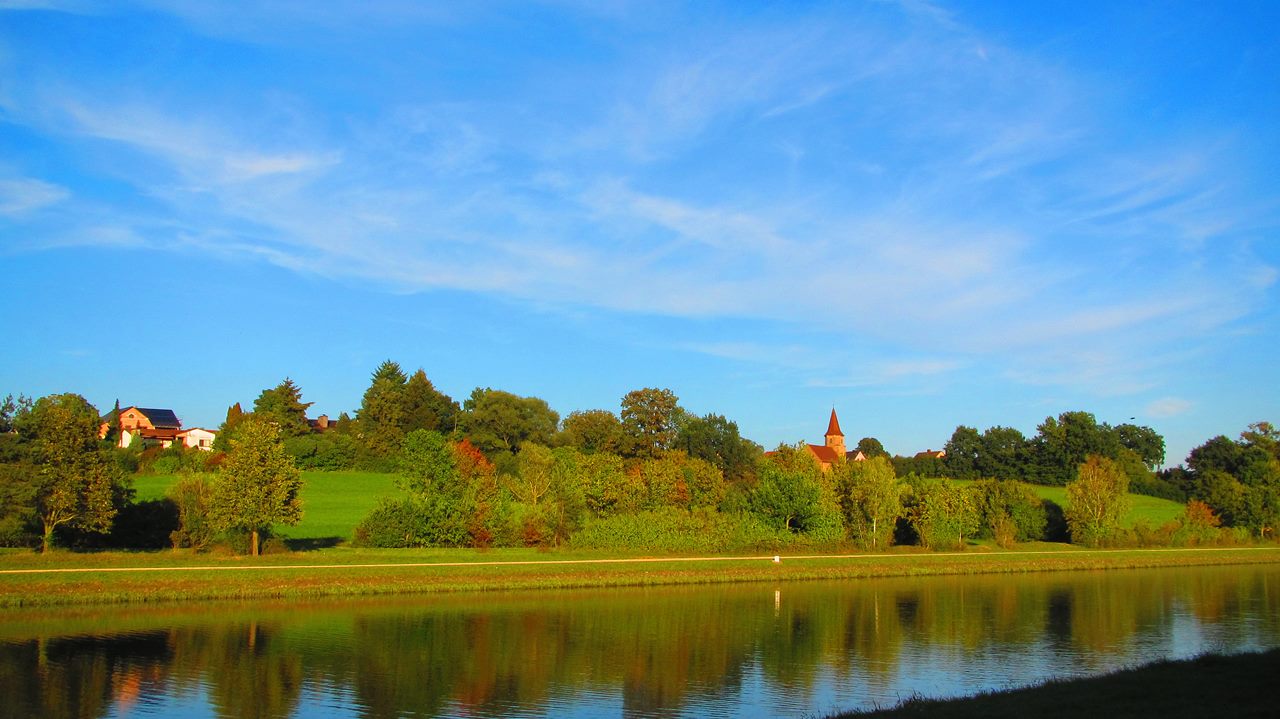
[1237, 685]
[31, 580]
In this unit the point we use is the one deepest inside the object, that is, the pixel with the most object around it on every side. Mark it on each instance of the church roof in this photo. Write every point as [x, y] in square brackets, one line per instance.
[833, 428]
[824, 453]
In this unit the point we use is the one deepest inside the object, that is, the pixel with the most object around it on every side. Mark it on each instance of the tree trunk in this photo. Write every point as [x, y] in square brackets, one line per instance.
[47, 539]
[253, 543]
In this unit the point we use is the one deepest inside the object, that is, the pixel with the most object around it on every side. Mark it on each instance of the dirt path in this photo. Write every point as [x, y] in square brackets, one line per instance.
[633, 560]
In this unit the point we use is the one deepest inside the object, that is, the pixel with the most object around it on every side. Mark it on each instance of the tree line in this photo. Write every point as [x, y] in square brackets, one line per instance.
[502, 469]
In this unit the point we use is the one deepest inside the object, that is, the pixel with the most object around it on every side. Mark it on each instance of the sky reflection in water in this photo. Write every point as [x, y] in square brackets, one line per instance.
[742, 650]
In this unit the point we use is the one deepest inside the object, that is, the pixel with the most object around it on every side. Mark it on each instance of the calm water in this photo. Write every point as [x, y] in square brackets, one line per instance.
[746, 650]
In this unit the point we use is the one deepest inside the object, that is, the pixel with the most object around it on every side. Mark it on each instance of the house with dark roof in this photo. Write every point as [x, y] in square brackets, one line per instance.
[155, 426]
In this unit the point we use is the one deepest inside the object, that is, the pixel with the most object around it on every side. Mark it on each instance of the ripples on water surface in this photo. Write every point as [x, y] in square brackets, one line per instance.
[742, 650]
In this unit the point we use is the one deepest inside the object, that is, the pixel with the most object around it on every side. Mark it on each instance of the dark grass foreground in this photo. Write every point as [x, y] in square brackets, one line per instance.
[1236, 686]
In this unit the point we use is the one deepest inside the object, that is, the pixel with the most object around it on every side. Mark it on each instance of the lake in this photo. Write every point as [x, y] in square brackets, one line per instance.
[757, 650]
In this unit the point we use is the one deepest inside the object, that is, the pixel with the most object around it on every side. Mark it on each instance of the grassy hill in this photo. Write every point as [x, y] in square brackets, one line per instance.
[1153, 510]
[333, 503]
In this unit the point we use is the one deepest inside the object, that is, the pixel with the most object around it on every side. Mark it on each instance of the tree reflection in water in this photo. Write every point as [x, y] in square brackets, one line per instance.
[742, 649]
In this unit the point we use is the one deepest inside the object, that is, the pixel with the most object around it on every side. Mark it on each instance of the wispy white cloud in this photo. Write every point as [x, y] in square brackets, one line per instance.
[1167, 407]
[23, 195]
[202, 151]
[888, 174]
[72, 6]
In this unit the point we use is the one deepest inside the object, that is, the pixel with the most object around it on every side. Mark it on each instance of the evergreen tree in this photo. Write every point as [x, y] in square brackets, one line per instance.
[112, 437]
[427, 408]
[383, 410]
[282, 405]
[235, 415]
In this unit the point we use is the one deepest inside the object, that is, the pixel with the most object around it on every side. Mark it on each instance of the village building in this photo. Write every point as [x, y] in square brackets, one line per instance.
[322, 423]
[833, 449]
[156, 426]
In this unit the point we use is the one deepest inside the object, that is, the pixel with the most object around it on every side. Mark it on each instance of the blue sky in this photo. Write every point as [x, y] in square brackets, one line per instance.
[922, 214]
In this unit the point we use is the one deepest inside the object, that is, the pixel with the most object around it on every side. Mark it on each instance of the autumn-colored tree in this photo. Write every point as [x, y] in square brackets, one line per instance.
[609, 488]
[1198, 524]
[259, 484]
[486, 503]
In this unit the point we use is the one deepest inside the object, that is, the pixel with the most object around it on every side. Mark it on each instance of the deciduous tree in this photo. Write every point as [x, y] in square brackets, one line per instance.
[259, 484]
[499, 422]
[871, 499]
[944, 514]
[961, 461]
[715, 439]
[1096, 501]
[788, 494]
[871, 447]
[1002, 454]
[649, 419]
[593, 430]
[73, 483]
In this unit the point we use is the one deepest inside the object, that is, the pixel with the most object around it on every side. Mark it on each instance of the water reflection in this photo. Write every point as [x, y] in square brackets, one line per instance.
[747, 650]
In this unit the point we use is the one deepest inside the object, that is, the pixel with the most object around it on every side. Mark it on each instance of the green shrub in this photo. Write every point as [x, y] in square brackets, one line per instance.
[1009, 511]
[328, 452]
[413, 522]
[1155, 487]
[191, 497]
[671, 529]
[394, 523]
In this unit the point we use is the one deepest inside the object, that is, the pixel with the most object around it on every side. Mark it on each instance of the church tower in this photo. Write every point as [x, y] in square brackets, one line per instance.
[835, 438]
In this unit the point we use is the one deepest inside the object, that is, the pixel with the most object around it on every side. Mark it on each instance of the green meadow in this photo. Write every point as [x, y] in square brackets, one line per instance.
[1152, 510]
[333, 502]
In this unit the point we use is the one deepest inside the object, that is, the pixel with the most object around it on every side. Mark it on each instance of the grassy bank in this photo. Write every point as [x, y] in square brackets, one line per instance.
[1239, 686]
[28, 579]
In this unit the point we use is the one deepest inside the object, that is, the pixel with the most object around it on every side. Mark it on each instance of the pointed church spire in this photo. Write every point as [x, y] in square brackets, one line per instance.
[833, 428]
